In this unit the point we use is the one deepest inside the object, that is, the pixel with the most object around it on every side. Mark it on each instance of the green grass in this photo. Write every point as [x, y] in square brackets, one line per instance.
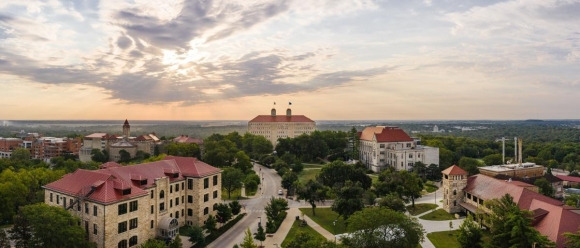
[297, 228]
[325, 217]
[235, 195]
[309, 166]
[445, 239]
[438, 214]
[421, 208]
[430, 188]
[306, 175]
[374, 178]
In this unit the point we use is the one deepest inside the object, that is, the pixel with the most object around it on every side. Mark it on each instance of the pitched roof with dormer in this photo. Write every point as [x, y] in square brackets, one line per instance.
[385, 134]
[454, 170]
[112, 183]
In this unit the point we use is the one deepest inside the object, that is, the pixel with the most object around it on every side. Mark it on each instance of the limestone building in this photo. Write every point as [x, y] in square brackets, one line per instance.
[383, 146]
[113, 144]
[274, 127]
[124, 206]
[469, 194]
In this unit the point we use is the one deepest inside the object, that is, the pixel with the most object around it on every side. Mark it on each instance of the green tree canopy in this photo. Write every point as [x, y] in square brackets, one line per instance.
[312, 192]
[470, 234]
[232, 179]
[349, 199]
[338, 172]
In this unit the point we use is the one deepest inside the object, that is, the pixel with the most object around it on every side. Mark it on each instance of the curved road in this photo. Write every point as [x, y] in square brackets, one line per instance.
[254, 208]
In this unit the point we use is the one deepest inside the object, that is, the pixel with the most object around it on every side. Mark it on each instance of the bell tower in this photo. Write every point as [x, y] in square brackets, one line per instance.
[126, 129]
[454, 181]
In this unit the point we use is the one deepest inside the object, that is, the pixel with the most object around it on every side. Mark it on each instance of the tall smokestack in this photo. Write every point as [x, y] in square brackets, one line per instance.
[520, 151]
[515, 160]
[503, 150]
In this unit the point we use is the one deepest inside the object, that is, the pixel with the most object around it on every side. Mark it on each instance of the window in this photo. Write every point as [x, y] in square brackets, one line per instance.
[454, 192]
[122, 244]
[95, 229]
[64, 202]
[182, 212]
[182, 186]
[122, 227]
[152, 209]
[133, 241]
[177, 214]
[410, 155]
[57, 199]
[133, 206]
[454, 203]
[170, 189]
[151, 224]
[122, 209]
[206, 183]
[189, 183]
[176, 201]
[170, 203]
[190, 199]
[177, 187]
[143, 182]
[162, 194]
[50, 197]
[132, 223]
[152, 194]
[86, 208]
[189, 212]
[215, 180]
[94, 210]
[205, 197]
[382, 145]
[182, 199]
[215, 194]
[206, 211]
[162, 206]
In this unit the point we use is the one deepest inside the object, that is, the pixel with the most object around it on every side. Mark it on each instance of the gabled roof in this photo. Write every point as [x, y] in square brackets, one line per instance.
[569, 178]
[385, 134]
[454, 170]
[281, 118]
[96, 136]
[110, 181]
[192, 167]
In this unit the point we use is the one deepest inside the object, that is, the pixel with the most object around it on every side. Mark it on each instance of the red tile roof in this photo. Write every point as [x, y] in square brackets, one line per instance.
[385, 134]
[552, 218]
[569, 178]
[187, 139]
[281, 118]
[111, 180]
[454, 170]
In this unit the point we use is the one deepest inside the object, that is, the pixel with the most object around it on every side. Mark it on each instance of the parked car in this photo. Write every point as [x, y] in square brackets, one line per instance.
[280, 192]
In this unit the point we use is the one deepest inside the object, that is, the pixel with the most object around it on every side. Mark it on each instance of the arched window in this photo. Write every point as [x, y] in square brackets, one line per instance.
[206, 211]
[454, 203]
[454, 192]
[133, 241]
[162, 194]
[122, 244]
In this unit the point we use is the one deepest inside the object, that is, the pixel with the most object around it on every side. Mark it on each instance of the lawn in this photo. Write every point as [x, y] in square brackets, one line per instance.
[306, 175]
[430, 188]
[374, 178]
[421, 208]
[438, 214]
[297, 228]
[325, 217]
[445, 239]
[310, 166]
[235, 195]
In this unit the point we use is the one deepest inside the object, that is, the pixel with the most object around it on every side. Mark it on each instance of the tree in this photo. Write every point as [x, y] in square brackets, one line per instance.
[210, 224]
[20, 154]
[470, 234]
[232, 179]
[493, 159]
[98, 156]
[348, 200]
[183, 149]
[224, 213]
[512, 227]
[338, 172]
[176, 243]
[153, 243]
[307, 240]
[32, 223]
[242, 162]
[260, 235]
[248, 241]
[312, 192]
[4, 241]
[572, 239]
[275, 212]
[392, 201]
[288, 181]
[124, 156]
[545, 187]
[196, 236]
[382, 227]
[408, 186]
[470, 165]
[236, 207]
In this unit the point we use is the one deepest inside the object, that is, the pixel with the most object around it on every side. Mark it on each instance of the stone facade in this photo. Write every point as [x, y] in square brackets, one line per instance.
[273, 127]
[453, 184]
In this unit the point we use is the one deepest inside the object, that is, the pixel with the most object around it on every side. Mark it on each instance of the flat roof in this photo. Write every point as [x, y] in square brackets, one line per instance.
[510, 167]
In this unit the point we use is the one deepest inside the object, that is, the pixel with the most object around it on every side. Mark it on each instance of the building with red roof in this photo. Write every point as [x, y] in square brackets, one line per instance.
[113, 144]
[383, 146]
[274, 127]
[468, 194]
[123, 206]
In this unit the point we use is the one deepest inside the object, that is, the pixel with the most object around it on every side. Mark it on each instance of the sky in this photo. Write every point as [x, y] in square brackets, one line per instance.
[332, 59]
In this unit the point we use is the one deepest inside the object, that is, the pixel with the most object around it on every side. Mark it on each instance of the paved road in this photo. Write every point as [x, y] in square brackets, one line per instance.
[254, 208]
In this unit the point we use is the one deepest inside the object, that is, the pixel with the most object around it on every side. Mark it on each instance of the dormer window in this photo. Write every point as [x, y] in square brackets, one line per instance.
[127, 191]
[175, 175]
[143, 182]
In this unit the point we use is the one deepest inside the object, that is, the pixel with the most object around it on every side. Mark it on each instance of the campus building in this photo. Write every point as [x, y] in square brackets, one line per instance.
[469, 194]
[383, 146]
[113, 144]
[124, 206]
[274, 127]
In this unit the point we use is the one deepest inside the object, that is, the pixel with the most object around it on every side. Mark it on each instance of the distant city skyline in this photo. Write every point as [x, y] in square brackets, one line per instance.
[334, 60]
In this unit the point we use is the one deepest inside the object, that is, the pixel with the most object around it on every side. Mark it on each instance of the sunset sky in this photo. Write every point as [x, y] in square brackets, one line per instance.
[334, 60]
